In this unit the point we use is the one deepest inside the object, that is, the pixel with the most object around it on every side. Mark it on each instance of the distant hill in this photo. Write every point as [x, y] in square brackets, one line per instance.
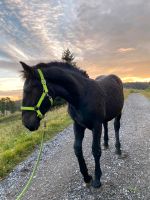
[137, 85]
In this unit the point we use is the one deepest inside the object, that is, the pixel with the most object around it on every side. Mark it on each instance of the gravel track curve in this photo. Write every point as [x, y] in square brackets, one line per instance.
[58, 176]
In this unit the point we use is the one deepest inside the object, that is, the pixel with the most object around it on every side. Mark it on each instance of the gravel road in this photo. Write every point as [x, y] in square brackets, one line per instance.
[58, 176]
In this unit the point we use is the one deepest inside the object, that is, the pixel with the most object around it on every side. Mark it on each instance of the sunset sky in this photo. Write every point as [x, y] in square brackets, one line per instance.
[106, 36]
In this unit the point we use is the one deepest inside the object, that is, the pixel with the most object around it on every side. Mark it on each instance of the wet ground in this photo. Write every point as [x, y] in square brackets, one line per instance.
[58, 176]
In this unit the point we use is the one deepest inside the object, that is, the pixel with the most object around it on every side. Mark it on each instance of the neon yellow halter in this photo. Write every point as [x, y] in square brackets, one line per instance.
[44, 94]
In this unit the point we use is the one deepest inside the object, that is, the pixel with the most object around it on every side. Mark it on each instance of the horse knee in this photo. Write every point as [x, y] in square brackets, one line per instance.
[96, 152]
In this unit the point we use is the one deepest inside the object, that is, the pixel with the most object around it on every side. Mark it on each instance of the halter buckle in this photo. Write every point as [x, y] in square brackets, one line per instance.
[36, 108]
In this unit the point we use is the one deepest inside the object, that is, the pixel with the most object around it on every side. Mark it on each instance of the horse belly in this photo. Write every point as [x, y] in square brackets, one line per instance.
[113, 109]
[80, 118]
[114, 98]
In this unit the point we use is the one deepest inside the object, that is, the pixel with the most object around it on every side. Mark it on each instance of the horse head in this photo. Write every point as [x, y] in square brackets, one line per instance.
[36, 99]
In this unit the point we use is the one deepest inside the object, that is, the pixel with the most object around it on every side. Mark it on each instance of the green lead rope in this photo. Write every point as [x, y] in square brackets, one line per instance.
[34, 169]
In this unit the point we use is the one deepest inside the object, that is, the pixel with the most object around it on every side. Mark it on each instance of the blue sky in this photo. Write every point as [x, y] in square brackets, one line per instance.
[106, 37]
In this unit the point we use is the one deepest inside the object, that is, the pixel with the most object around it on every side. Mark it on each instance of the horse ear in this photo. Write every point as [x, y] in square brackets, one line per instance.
[25, 66]
[27, 70]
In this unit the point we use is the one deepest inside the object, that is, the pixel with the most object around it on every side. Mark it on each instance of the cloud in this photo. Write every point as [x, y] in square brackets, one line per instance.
[92, 29]
[125, 71]
[17, 51]
[123, 26]
[9, 83]
[12, 67]
[107, 35]
[124, 50]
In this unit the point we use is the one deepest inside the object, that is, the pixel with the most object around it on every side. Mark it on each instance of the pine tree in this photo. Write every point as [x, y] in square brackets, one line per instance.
[68, 57]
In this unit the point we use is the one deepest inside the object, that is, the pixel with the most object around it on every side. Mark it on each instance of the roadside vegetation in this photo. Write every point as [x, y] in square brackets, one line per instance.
[17, 142]
[137, 87]
[145, 92]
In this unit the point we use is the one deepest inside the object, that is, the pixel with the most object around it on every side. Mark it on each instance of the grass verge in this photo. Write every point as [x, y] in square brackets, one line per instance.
[17, 142]
[145, 92]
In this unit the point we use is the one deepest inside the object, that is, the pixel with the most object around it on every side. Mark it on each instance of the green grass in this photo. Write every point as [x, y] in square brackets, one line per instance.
[17, 142]
[126, 92]
[145, 92]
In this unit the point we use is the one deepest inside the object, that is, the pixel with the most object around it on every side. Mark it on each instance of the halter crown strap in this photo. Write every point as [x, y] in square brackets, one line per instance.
[44, 94]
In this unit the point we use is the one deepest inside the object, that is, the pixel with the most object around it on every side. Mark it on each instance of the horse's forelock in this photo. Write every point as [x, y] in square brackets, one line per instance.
[28, 74]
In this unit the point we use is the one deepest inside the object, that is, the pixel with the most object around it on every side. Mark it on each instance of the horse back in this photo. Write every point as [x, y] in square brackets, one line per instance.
[109, 79]
[112, 88]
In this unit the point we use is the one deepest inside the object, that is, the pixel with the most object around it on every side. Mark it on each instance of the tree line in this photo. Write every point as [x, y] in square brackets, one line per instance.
[137, 85]
[8, 106]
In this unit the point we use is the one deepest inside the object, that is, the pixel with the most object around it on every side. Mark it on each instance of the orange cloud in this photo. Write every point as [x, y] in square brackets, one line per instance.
[124, 50]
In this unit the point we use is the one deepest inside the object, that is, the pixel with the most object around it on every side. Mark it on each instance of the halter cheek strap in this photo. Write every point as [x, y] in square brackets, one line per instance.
[44, 94]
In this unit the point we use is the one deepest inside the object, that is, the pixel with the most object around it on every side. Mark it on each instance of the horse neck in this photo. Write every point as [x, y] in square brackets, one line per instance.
[66, 84]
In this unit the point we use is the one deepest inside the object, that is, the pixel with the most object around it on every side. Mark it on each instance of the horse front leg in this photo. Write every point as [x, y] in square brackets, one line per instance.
[96, 150]
[79, 135]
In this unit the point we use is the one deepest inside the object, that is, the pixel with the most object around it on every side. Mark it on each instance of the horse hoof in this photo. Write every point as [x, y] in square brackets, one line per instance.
[118, 152]
[106, 146]
[88, 180]
[96, 184]
[123, 156]
[89, 183]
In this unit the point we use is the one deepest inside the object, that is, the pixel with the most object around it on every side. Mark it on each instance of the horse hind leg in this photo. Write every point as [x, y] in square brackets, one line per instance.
[117, 127]
[96, 150]
[105, 125]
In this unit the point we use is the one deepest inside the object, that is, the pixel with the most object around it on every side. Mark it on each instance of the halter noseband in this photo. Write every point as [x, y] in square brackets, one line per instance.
[44, 94]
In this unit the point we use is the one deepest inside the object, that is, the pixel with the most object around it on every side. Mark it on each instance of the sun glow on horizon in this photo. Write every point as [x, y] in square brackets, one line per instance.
[14, 98]
[135, 79]
[17, 94]
[9, 84]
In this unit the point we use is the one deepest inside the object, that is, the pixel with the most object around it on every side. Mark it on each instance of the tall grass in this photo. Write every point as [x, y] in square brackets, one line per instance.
[145, 92]
[126, 92]
[17, 142]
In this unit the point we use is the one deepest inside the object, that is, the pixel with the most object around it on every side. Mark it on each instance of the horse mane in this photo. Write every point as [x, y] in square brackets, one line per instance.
[63, 65]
